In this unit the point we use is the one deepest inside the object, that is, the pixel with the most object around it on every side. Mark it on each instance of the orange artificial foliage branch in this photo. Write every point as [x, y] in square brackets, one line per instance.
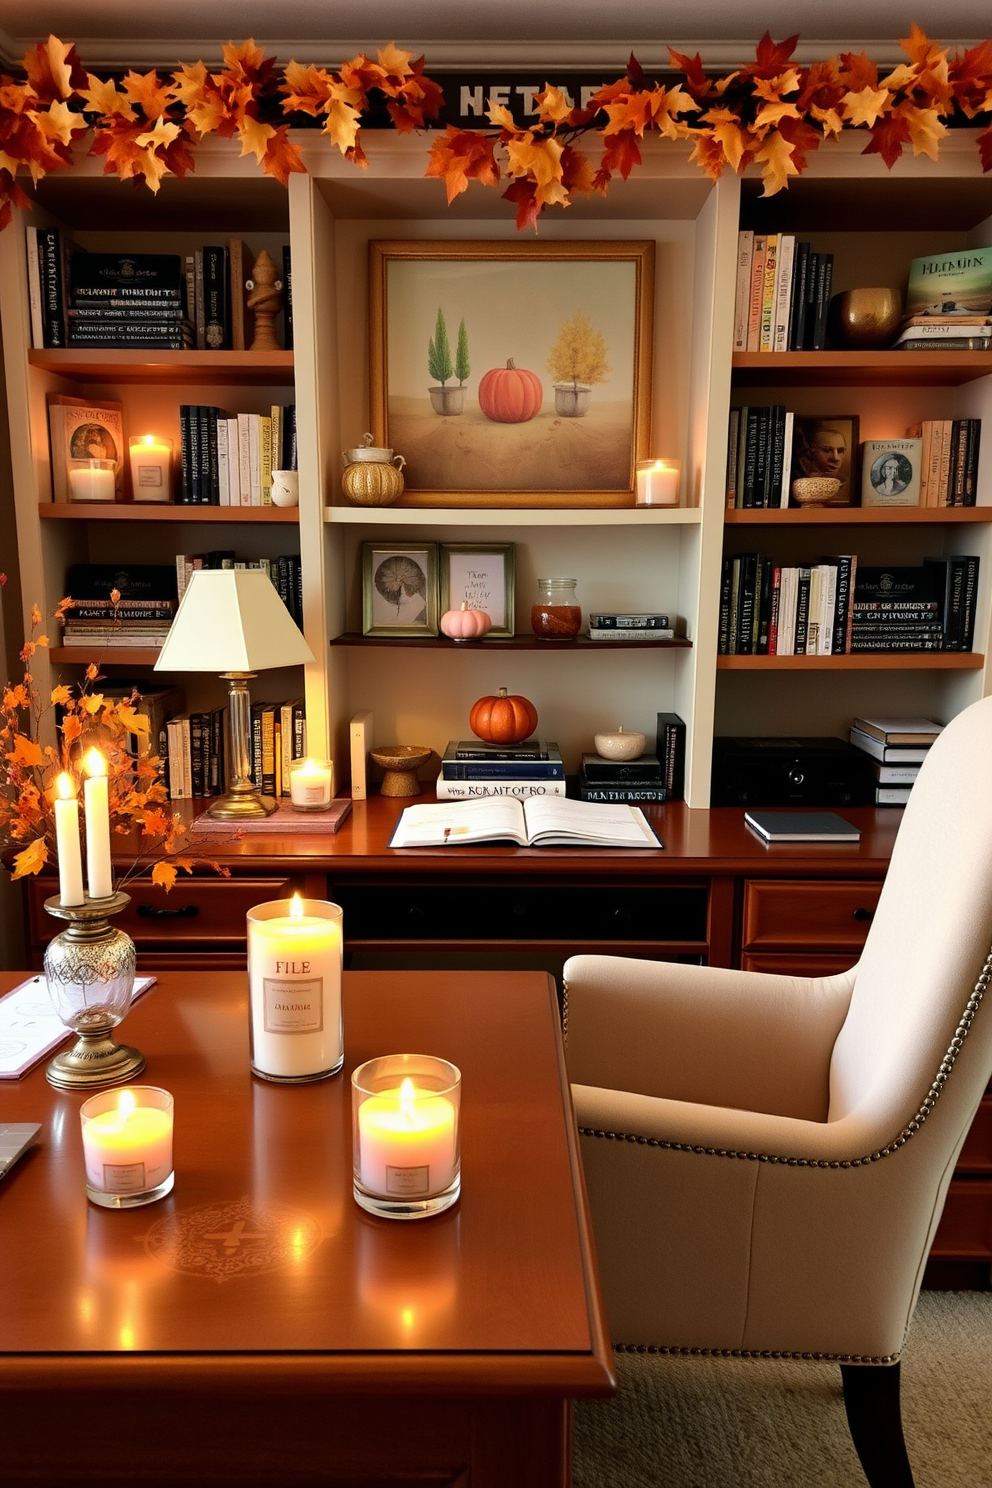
[770, 113]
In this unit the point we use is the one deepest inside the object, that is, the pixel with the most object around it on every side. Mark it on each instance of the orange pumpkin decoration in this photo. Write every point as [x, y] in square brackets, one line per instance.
[510, 394]
[503, 719]
[465, 624]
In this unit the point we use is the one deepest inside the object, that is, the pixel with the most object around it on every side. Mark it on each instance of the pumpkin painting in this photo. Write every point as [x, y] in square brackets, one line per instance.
[503, 719]
[465, 624]
[510, 394]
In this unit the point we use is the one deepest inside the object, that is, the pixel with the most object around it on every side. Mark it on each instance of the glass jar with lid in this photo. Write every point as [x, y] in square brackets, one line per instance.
[556, 616]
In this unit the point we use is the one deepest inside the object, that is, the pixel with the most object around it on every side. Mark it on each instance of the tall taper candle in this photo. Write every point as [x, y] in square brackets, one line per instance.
[96, 799]
[67, 842]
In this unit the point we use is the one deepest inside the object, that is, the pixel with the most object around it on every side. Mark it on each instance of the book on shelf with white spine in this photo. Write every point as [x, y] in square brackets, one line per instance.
[783, 291]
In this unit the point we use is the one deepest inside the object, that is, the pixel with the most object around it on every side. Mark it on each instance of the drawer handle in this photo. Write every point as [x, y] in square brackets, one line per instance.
[863, 914]
[153, 912]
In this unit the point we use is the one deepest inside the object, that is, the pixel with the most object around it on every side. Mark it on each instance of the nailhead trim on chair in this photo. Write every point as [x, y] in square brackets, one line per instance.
[929, 1101]
[714, 1353]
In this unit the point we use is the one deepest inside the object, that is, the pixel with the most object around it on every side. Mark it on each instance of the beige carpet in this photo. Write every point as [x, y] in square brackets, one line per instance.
[737, 1423]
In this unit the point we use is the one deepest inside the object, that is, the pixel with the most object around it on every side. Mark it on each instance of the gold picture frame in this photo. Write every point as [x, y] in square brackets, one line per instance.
[399, 589]
[513, 374]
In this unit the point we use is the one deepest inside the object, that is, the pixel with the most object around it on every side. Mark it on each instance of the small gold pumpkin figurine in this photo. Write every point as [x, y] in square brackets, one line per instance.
[372, 483]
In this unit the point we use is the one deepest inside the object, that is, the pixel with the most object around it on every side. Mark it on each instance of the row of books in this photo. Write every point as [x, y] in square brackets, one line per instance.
[782, 293]
[897, 748]
[759, 456]
[835, 607]
[161, 301]
[948, 460]
[228, 460]
[192, 748]
[284, 571]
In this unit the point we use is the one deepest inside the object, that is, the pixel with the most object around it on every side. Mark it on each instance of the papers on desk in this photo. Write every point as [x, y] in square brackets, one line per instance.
[30, 1027]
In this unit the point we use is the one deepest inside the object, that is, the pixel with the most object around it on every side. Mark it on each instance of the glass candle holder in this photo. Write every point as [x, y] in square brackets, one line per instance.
[556, 616]
[657, 482]
[295, 956]
[406, 1135]
[92, 480]
[151, 468]
[127, 1146]
[311, 784]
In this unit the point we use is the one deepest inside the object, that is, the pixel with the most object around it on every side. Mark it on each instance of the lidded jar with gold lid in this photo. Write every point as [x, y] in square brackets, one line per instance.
[556, 616]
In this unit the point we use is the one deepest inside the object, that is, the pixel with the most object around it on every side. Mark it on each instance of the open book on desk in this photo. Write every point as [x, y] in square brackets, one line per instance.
[538, 821]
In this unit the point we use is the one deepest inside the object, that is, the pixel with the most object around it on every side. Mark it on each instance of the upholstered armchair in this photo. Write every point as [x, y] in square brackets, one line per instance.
[766, 1156]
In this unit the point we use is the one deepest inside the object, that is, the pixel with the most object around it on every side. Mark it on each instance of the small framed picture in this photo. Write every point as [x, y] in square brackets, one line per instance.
[399, 589]
[827, 446]
[480, 576]
[890, 472]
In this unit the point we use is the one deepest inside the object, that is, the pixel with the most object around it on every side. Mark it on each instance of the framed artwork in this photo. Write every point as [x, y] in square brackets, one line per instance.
[890, 472]
[513, 374]
[827, 445]
[399, 589]
[480, 575]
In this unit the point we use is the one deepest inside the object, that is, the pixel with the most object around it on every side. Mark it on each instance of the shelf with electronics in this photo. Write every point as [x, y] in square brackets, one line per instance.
[920, 208]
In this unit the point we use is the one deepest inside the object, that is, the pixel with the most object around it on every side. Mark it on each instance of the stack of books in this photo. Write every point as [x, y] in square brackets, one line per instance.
[228, 460]
[622, 780]
[782, 295]
[127, 300]
[897, 747]
[949, 302]
[948, 461]
[896, 609]
[139, 618]
[472, 768]
[627, 626]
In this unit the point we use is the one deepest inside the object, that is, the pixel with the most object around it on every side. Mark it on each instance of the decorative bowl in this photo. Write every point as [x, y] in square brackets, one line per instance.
[401, 763]
[620, 745]
[815, 490]
[865, 319]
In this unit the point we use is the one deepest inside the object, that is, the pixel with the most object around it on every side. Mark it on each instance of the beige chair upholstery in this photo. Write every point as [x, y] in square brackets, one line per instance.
[767, 1156]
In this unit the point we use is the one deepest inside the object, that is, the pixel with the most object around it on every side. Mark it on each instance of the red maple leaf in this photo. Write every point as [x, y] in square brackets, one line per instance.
[622, 152]
[888, 136]
[576, 172]
[821, 85]
[697, 83]
[985, 148]
[771, 57]
[635, 72]
[524, 193]
[802, 137]
[859, 72]
[971, 76]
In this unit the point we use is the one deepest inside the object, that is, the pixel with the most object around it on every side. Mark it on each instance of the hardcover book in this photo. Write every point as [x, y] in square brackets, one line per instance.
[943, 286]
[467, 790]
[532, 823]
[801, 826]
[84, 429]
[890, 472]
[617, 772]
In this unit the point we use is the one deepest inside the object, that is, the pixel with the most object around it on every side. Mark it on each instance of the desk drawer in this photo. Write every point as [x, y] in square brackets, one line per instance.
[832, 916]
[197, 914]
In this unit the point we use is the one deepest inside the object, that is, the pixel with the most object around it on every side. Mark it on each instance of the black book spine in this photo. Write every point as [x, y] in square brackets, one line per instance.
[216, 321]
[824, 282]
[969, 592]
[773, 485]
[83, 296]
[762, 457]
[797, 322]
[287, 306]
[194, 454]
[213, 470]
[185, 456]
[763, 609]
[671, 752]
[289, 439]
[618, 793]
[52, 286]
[196, 752]
[971, 461]
[746, 604]
[733, 442]
[842, 607]
[911, 643]
[809, 314]
[724, 628]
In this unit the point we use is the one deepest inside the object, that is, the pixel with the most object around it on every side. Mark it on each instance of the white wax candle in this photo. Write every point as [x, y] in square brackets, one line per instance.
[658, 483]
[294, 974]
[67, 842]
[92, 483]
[151, 468]
[311, 784]
[96, 800]
[128, 1149]
[406, 1142]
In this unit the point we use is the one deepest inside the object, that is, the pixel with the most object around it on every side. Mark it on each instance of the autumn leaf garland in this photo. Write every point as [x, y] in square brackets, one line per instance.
[770, 114]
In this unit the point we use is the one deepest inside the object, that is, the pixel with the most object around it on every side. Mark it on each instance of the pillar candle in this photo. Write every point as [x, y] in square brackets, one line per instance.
[311, 784]
[151, 468]
[658, 483]
[295, 957]
[407, 1142]
[128, 1149]
[93, 482]
[67, 842]
[96, 800]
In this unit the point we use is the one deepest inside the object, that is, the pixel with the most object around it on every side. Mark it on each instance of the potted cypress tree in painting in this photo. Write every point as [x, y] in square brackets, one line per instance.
[447, 400]
[576, 362]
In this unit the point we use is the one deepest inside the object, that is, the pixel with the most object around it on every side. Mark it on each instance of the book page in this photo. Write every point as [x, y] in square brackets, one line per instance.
[497, 819]
[553, 820]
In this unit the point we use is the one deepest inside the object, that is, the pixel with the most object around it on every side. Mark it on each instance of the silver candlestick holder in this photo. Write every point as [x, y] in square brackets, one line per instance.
[90, 972]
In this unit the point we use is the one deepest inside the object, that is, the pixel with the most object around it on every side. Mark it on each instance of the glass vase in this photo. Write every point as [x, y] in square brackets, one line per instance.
[556, 616]
[90, 969]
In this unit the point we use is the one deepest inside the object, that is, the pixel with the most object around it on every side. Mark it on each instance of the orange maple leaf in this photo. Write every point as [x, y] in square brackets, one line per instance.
[726, 131]
[60, 695]
[463, 155]
[971, 78]
[17, 696]
[342, 123]
[524, 193]
[866, 106]
[622, 153]
[771, 57]
[540, 161]
[49, 67]
[164, 875]
[920, 49]
[553, 105]
[777, 164]
[802, 137]
[152, 95]
[772, 113]
[25, 752]
[282, 158]
[859, 72]
[104, 98]
[394, 62]
[32, 859]
[255, 137]
[697, 81]
[307, 89]
[577, 173]
[71, 727]
[925, 129]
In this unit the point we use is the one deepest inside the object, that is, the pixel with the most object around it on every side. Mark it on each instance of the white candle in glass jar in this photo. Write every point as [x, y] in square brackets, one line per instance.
[295, 956]
[658, 483]
[406, 1142]
[96, 801]
[128, 1149]
[151, 468]
[67, 842]
[311, 784]
[94, 481]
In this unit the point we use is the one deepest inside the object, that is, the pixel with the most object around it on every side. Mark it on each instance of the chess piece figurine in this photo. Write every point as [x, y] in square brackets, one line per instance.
[265, 299]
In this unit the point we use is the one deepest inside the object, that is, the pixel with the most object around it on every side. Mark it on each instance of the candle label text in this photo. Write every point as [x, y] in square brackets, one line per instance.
[124, 1177]
[293, 1004]
[408, 1181]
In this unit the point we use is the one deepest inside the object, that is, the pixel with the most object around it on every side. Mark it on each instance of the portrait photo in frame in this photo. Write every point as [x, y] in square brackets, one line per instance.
[481, 576]
[513, 374]
[399, 589]
[827, 445]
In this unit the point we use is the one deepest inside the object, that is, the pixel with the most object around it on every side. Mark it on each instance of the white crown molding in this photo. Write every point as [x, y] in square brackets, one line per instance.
[451, 56]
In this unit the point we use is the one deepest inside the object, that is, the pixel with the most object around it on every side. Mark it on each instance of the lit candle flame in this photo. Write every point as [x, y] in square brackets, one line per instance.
[65, 786]
[126, 1104]
[95, 763]
[296, 908]
[407, 1098]
[149, 439]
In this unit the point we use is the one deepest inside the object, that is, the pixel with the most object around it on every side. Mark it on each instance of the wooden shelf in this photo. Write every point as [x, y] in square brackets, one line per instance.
[127, 656]
[121, 364]
[855, 516]
[138, 511]
[860, 368]
[514, 643]
[886, 661]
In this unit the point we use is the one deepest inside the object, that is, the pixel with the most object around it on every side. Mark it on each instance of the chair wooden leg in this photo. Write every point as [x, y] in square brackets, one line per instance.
[871, 1399]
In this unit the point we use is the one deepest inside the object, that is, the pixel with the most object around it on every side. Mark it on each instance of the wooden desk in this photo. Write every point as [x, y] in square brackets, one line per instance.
[256, 1326]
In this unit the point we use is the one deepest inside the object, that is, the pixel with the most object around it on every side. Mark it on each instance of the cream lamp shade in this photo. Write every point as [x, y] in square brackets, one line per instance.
[232, 620]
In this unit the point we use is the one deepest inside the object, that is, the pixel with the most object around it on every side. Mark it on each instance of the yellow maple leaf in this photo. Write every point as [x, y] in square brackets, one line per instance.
[254, 137]
[499, 114]
[777, 164]
[58, 122]
[773, 88]
[867, 106]
[103, 98]
[771, 113]
[395, 61]
[306, 88]
[61, 695]
[135, 723]
[190, 83]
[92, 671]
[32, 859]
[733, 140]
[247, 53]
[343, 123]
[902, 76]
[56, 53]
[208, 114]
[925, 129]
[153, 166]
[833, 124]
[552, 105]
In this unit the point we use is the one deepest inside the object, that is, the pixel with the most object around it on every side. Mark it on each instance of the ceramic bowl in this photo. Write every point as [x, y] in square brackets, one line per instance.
[865, 319]
[815, 490]
[401, 763]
